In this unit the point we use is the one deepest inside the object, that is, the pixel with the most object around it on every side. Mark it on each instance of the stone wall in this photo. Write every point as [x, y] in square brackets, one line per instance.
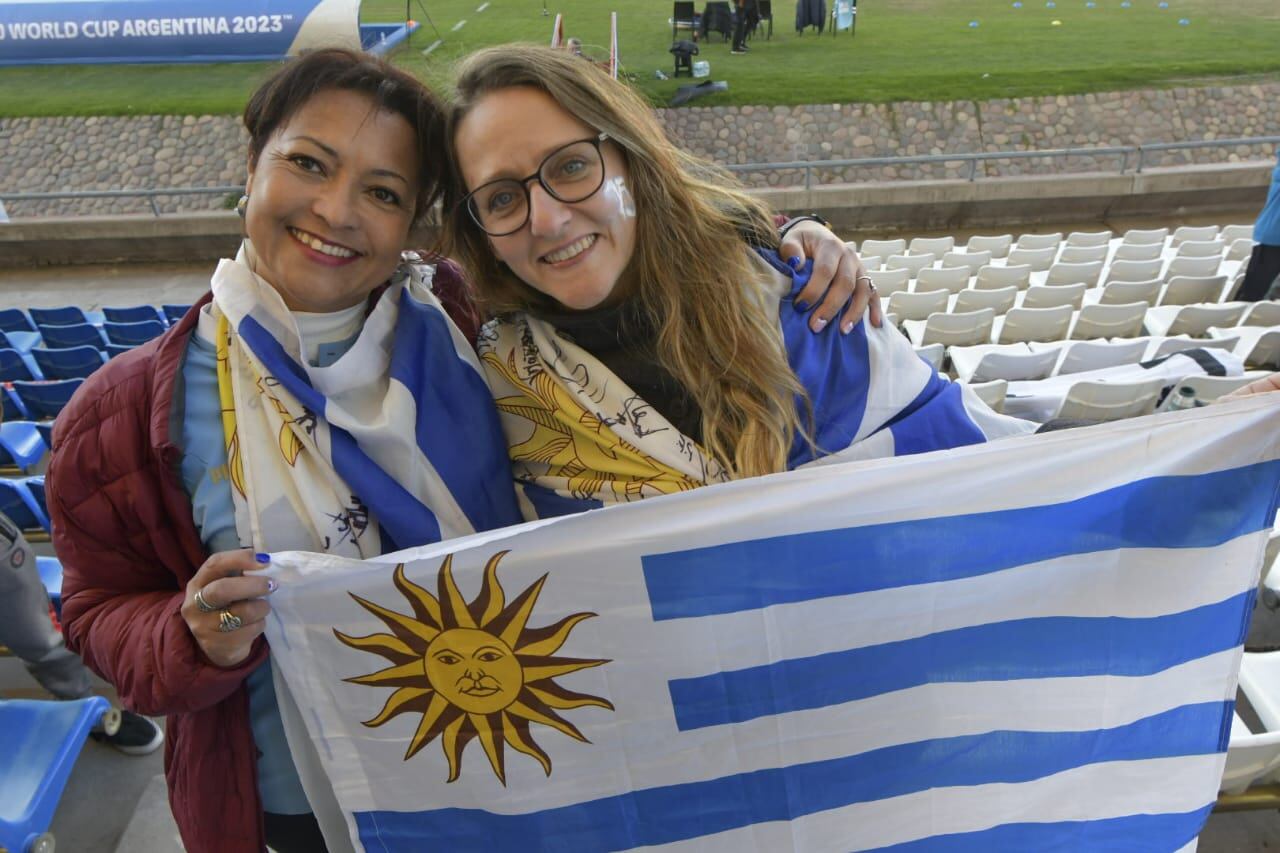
[44, 154]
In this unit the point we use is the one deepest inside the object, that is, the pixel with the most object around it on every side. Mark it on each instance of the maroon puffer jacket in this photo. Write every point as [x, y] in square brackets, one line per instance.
[123, 529]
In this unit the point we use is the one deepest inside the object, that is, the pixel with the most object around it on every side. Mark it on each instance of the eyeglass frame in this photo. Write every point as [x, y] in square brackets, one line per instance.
[595, 141]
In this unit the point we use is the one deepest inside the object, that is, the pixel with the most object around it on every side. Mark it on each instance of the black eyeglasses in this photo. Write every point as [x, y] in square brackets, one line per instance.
[572, 173]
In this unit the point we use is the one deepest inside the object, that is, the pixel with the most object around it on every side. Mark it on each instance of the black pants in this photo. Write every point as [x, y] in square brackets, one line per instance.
[1264, 266]
[740, 30]
[293, 833]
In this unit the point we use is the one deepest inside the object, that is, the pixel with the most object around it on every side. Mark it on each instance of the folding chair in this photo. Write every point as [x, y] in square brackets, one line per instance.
[39, 744]
[132, 334]
[1039, 241]
[1161, 347]
[1082, 356]
[1038, 259]
[952, 279]
[68, 315]
[21, 445]
[1138, 252]
[683, 16]
[1257, 346]
[1109, 321]
[1231, 233]
[917, 306]
[1261, 314]
[889, 282]
[1122, 292]
[1012, 362]
[997, 245]
[15, 320]
[914, 263]
[1192, 267]
[1201, 249]
[1190, 290]
[1110, 401]
[974, 261]
[883, 248]
[1089, 238]
[72, 363]
[931, 245]
[1239, 249]
[992, 393]
[45, 399]
[20, 505]
[14, 367]
[1000, 300]
[996, 278]
[1068, 273]
[765, 13]
[1193, 320]
[1134, 270]
[961, 330]
[1207, 389]
[1032, 324]
[1145, 236]
[133, 314]
[78, 335]
[871, 262]
[1083, 254]
[1189, 232]
[1051, 296]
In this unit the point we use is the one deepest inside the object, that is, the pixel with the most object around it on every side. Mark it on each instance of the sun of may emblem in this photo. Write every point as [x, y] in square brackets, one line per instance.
[473, 670]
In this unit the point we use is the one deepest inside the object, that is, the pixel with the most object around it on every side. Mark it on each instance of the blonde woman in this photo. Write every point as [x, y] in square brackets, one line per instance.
[641, 346]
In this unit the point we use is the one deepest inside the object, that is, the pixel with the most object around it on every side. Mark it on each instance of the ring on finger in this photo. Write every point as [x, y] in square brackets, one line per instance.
[202, 602]
[867, 279]
[228, 622]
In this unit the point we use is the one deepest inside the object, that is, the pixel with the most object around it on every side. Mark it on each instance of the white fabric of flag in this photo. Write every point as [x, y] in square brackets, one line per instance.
[1030, 644]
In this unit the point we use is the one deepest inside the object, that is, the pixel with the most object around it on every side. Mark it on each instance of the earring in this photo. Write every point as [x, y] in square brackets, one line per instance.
[242, 205]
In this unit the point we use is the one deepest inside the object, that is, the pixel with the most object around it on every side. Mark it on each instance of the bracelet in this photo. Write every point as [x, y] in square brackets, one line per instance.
[808, 217]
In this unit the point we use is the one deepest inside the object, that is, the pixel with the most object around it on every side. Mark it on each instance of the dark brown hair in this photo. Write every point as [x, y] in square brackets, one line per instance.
[393, 90]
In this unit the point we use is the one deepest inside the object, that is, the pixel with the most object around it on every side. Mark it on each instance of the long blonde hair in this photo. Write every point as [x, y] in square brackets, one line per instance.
[697, 281]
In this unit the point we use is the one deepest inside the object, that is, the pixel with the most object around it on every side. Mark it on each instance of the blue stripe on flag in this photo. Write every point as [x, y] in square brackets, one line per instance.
[1051, 647]
[935, 420]
[1191, 511]
[1132, 832]
[694, 809]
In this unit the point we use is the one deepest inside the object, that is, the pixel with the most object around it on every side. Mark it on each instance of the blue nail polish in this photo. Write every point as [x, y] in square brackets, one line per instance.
[262, 558]
[794, 263]
[801, 305]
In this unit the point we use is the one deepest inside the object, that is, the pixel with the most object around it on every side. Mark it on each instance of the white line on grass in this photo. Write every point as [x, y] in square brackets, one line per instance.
[432, 47]
[459, 26]
[482, 7]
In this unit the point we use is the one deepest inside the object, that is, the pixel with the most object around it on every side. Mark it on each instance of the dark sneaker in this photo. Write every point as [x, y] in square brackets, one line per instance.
[137, 735]
[738, 51]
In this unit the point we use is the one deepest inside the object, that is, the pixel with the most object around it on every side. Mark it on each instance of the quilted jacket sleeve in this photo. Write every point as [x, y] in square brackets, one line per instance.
[127, 550]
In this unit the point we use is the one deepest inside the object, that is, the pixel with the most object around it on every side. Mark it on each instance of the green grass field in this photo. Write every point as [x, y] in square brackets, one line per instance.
[903, 50]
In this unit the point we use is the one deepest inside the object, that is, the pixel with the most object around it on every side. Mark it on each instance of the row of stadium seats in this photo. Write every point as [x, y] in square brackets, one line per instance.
[18, 320]
[83, 334]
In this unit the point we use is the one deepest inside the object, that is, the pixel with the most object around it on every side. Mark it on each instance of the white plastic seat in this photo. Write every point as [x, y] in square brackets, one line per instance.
[889, 282]
[1032, 324]
[1038, 259]
[999, 300]
[871, 262]
[914, 263]
[952, 280]
[1138, 252]
[1201, 249]
[961, 330]
[1161, 347]
[1089, 238]
[1134, 270]
[1051, 296]
[997, 245]
[1251, 758]
[884, 248]
[1068, 273]
[1190, 290]
[1039, 241]
[1256, 346]
[996, 278]
[1012, 362]
[974, 261]
[1209, 388]
[933, 354]
[1109, 321]
[1110, 401]
[1260, 682]
[931, 245]
[1239, 249]
[1231, 233]
[992, 393]
[1193, 267]
[1146, 235]
[1082, 254]
[1261, 314]
[1193, 320]
[1121, 292]
[1193, 232]
[1081, 356]
[917, 306]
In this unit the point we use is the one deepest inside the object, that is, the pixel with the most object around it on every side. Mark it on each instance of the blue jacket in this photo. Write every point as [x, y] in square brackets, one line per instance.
[1267, 228]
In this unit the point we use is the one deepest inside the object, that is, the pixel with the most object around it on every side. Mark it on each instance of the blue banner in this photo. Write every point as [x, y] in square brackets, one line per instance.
[86, 31]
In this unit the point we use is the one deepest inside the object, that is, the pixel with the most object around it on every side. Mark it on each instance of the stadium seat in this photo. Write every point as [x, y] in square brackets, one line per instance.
[1193, 320]
[1089, 238]
[35, 484]
[65, 337]
[1081, 356]
[1163, 347]
[933, 355]
[21, 445]
[1193, 232]
[1231, 233]
[1000, 300]
[45, 428]
[997, 245]
[1012, 362]
[917, 306]
[1145, 236]
[114, 350]
[968, 329]
[1051, 296]
[1201, 249]
[1134, 270]
[1068, 273]
[14, 408]
[1261, 314]
[39, 744]
[1138, 252]
[1109, 321]
[1255, 345]
[883, 248]
[973, 260]
[15, 320]
[1039, 259]
[889, 282]
[1260, 682]
[914, 263]
[996, 278]
[1083, 254]
[43, 400]
[1190, 290]
[931, 245]
[50, 570]
[1192, 267]
[1209, 388]
[1110, 401]
[132, 314]
[174, 313]
[1122, 292]
[871, 262]
[952, 280]
[132, 334]
[1239, 249]
[992, 393]
[1038, 241]
[1032, 324]
[20, 341]
[71, 363]
[14, 367]
[68, 315]
[1251, 758]
[18, 503]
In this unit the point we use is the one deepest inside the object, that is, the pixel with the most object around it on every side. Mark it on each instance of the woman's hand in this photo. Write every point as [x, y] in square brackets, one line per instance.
[1270, 382]
[838, 275]
[224, 608]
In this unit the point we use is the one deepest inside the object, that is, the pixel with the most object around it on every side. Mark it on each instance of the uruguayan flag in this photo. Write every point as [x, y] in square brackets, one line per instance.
[1029, 644]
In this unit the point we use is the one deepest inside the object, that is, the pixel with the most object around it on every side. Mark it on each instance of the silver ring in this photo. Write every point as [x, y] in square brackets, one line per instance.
[228, 622]
[202, 603]
[864, 278]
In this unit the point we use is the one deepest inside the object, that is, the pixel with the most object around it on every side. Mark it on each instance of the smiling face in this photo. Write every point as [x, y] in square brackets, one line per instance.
[331, 200]
[575, 253]
[474, 670]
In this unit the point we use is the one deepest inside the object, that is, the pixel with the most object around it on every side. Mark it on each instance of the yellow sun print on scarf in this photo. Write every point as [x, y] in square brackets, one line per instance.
[474, 671]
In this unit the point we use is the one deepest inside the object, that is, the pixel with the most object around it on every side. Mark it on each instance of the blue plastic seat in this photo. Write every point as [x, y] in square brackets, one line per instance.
[39, 744]
[43, 400]
[114, 350]
[14, 407]
[132, 314]
[35, 485]
[68, 315]
[78, 335]
[72, 363]
[133, 334]
[20, 341]
[45, 429]
[21, 444]
[15, 320]
[14, 367]
[17, 502]
[174, 313]
[50, 570]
